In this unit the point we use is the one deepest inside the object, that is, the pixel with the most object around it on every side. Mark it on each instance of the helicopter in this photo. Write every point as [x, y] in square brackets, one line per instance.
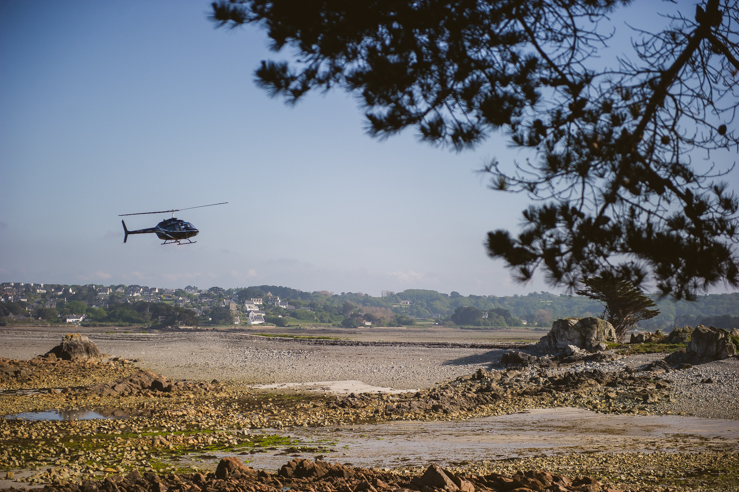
[173, 230]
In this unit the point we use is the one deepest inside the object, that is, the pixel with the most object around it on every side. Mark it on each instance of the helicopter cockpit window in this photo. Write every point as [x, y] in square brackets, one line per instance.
[188, 225]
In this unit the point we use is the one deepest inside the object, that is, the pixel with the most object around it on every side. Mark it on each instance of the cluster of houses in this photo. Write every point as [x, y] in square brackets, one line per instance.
[254, 308]
[37, 295]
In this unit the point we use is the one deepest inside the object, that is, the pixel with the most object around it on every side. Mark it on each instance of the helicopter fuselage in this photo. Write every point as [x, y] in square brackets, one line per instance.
[174, 230]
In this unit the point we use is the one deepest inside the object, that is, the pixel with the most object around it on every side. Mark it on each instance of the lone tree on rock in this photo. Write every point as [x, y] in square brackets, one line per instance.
[615, 150]
[625, 304]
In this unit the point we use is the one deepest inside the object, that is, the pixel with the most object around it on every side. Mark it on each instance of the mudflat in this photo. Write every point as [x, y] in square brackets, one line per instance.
[401, 359]
[395, 400]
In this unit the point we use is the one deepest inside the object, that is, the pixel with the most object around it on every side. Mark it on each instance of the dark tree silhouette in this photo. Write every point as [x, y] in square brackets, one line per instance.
[625, 304]
[220, 316]
[466, 315]
[613, 171]
[726, 321]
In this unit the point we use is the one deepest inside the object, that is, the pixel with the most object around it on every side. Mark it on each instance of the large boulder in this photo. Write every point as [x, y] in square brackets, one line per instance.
[706, 344]
[582, 333]
[711, 343]
[75, 347]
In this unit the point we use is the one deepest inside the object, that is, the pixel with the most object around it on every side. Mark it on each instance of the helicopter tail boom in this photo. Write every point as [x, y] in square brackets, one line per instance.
[126, 232]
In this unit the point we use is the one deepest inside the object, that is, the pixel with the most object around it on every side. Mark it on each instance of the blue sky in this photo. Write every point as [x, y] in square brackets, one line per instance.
[129, 106]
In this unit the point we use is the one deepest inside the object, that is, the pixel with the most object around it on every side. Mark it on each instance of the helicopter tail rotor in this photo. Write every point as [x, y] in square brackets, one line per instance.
[125, 232]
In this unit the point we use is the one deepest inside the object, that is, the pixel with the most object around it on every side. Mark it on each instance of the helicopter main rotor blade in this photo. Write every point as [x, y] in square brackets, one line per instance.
[147, 213]
[201, 206]
[174, 210]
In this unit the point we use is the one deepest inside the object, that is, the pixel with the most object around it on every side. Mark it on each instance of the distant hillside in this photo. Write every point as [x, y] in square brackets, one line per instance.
[536, 308]
[350, 308]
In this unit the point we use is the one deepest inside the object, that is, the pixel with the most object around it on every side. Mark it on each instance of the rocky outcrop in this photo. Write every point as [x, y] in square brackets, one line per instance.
[75, 347]
[436, 477]
[52, 372]
[680, 335]
[568, 355]
[233, 467]
[521, 359]
[647, 337]
[146, 383]
[338, 478]
[468, 393]
[706, 344]
[581, 333]
[302, 468]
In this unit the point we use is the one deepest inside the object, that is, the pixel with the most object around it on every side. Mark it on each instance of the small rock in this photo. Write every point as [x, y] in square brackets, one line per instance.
[435, 477]
[232, 466]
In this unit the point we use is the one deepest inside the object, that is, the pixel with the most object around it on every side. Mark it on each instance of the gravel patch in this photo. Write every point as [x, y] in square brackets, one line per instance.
[709, 390]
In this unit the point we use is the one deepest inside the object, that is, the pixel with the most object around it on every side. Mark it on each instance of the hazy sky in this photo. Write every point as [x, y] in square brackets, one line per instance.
[130, 106]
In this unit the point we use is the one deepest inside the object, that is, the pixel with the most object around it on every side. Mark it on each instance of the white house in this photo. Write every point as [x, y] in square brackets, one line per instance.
[249, 307]
[255, 318]
[75, 318]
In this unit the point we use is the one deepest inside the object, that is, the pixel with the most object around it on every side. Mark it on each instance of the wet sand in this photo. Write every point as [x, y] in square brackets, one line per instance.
[531, 433]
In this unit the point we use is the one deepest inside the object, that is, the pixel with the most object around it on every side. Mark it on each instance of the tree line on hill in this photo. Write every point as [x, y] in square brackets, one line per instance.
[141, 312]
[537, 309]
[348, 309]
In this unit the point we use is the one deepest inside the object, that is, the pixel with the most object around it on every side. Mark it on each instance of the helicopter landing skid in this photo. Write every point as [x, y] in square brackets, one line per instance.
[178, 242]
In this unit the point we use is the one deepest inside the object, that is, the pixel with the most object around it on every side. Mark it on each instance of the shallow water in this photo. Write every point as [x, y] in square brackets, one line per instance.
[66, 415]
